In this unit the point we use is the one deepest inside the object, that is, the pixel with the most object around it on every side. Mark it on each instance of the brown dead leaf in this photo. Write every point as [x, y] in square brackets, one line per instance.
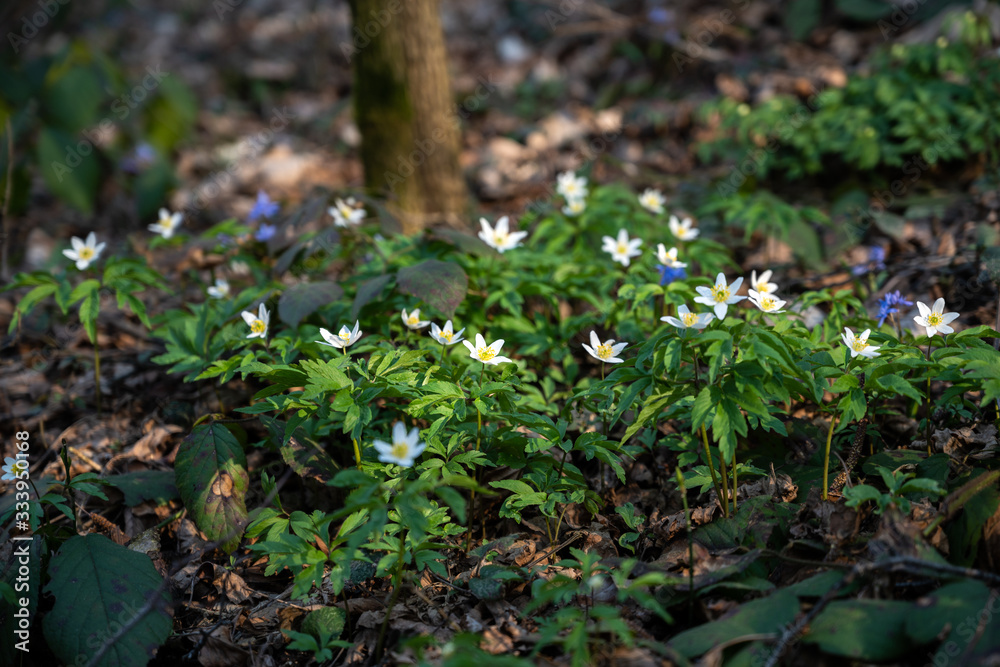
[219, 651]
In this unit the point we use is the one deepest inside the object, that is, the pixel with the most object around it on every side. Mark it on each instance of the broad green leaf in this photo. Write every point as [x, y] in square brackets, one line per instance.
[99, 587]
[70, 175]
[442, 285]
[868, 630]
[212, 478]
[763, 616]
[302, 300]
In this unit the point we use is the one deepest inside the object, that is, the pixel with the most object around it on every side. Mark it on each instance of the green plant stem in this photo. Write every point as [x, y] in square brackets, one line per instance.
[97, 376]
[357, 452]
[687, 525]
[724, 474]
[704, 438]
[826, 458]
[927, 426]
[734, 482]
[397, 585]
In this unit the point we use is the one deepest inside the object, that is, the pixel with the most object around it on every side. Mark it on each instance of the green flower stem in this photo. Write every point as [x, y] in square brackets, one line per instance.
[357, 452]
[927, 425]
[826, 459]
[397, 585]
[724, 473]
[704, 438]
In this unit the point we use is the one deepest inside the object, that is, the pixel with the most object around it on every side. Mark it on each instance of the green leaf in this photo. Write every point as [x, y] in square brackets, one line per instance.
[868, 630]
[99, 587]
[71, 101]
[302, 300]
[442, 285]
[898, 385]
[145, 485]
[326, 621]
[90, 308]
[763, 616]
[368, 291]
[213, 481]
[71, 176]
[323, 377]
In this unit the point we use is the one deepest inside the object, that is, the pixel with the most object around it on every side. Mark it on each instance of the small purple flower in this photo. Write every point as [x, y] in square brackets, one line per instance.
[669, 274]
[263, 208]
[142, 156]
[887, 304]
[266, 232]
[876, 256]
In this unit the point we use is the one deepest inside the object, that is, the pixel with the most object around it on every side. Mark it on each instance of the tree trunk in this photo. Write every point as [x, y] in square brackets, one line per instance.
[403, 108]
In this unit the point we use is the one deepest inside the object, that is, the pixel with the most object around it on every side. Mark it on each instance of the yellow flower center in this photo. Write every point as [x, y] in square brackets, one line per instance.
[622, 248]
[934, 319]
[859, 344]
[85, 253]
[767, 303]
[400, 450]
[720, 293]
[762, 286]
[447, 335]
[346, 211]
[167, 223]
[258, 326]
[412, 320]
[18, 466]
[689, 319]
[500, 237]
[344, 336]
[486, 353]
[604, 351]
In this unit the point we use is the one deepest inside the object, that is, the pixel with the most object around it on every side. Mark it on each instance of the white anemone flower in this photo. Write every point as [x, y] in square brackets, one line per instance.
[13, 468]
[652, 200]
[761, 284]
[345, 214]
[500, 238]
[84, 253]
[405, 447]
[687, 319]
[571, 186]
[607, 351]
[446, 336]
[488, 354]
[167, 224]
[343, 338]
[934, 319]
[720, 296]
[859, 344]
[220, 290]
[668, 258]
[257, 323]
[769, 303]
[682, 229]
[622, 249]
[412, 320]
[574, 207]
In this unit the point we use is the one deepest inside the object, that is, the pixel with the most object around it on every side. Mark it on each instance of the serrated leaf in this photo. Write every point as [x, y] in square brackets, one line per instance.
[442, 285]
[99, 587]
[212, 479]
[302, 300]
[326, 621]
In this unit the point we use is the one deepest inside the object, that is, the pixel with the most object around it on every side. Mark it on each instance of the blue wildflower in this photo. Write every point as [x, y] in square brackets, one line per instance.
[263, 208]
[141, 158]
[265, 232]
[669, 274]
[887, 305]
[876, 257]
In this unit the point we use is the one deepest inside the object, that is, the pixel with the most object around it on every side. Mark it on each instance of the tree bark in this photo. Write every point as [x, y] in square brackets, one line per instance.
[403, 108]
